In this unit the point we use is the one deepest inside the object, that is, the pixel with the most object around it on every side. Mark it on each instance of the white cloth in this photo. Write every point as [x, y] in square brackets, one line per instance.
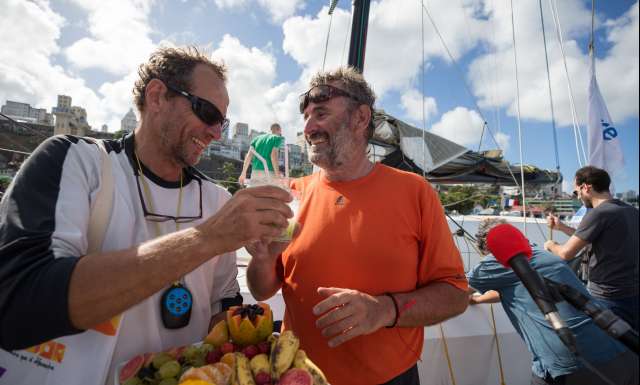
[605, 151]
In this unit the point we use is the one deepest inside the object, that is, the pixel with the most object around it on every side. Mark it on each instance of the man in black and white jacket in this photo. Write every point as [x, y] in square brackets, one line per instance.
[168, 225]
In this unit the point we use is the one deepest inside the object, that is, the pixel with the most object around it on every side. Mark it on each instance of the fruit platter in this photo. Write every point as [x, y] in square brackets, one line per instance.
[241, 350]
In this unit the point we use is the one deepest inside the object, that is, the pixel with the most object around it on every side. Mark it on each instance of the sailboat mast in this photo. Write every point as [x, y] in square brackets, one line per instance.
[359, 26]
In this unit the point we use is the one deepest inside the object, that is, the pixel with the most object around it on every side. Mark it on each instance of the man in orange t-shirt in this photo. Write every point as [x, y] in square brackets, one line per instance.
[374, 261]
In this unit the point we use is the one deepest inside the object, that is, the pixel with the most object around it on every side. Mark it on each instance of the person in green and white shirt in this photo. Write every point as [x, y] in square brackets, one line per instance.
[266, 146]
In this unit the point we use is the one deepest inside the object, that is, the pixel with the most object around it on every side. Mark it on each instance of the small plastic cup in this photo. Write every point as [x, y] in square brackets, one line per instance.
[282, 183]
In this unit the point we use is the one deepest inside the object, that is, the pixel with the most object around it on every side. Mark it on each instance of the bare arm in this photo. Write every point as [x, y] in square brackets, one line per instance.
[346, 313]
[104, 285]
[430, 305]
[556, 224]
[245, 166]
[568, 250]
[262, 278]
[274, 161]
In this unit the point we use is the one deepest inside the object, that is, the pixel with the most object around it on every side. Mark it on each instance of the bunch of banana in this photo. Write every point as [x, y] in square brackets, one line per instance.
[243, 370]
[283, 352]
[301, 361]
[260, 365]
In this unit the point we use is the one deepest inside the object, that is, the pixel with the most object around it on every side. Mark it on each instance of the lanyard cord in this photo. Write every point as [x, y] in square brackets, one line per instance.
[147, 194]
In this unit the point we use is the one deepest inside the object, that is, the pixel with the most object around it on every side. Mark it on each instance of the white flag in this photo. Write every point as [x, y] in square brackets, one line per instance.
[605, 151]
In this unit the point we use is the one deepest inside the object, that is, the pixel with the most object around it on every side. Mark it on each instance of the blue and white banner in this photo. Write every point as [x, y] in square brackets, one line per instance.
[605, 150]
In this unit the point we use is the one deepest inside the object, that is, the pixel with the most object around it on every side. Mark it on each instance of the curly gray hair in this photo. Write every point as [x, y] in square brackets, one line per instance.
[483, 229]
[353, 82]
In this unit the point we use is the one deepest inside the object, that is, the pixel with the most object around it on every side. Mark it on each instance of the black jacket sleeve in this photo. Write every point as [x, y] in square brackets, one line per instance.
[34, 282]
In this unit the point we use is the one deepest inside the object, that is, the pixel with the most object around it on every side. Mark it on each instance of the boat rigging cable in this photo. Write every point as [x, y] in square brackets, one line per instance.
[435, 27]
[576, 126]
[460, 73]
[344, 45]
[424, 121]
[467, 88]
[332, 6]
[515, 63]
[446, 353]
[553, 116]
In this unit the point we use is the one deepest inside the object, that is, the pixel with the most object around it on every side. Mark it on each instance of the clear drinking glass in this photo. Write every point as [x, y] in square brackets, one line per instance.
[267, 179]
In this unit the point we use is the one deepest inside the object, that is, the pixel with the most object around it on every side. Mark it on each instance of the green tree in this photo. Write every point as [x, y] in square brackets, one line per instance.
[462, 198]
[119, 134]
[296, 173]
[4, 183]
[230, 177]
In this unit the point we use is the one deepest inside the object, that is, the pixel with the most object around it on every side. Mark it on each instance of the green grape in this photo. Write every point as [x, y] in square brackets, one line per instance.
[132, 381]
[160, 359]
[198, 362]
[168, 381]
[205, 348]
[190, 352]
[169, 369]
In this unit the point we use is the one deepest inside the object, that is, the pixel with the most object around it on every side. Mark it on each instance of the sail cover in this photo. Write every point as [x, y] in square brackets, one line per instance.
[400, 145]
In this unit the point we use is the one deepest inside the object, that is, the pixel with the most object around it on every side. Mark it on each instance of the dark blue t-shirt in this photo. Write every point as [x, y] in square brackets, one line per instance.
[549, 355]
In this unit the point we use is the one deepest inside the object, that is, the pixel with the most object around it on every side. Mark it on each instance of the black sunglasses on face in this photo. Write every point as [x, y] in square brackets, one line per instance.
[204, 109]
[576, 191]
[322, 93]
[162, 217]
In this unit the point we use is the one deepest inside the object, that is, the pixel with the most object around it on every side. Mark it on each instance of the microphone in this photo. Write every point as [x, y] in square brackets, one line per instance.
[604, 318]
[512, 249]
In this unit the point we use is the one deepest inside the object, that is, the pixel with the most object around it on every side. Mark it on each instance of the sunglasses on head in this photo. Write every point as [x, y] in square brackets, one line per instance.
[203, 109]
[322, 93]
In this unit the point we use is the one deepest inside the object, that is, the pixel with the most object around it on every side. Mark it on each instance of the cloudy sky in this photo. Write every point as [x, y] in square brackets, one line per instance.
[90, 49]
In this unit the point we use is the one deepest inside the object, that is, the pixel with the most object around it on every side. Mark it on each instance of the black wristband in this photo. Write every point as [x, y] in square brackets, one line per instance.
[395, 305]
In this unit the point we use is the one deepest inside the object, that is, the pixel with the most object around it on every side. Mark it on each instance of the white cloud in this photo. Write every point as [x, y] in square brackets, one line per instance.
[393, 52]
[412, 104]
[277, 9]
[26, 71]
[464, 127]
[119, 36]
[493, 74]
[254, 97]
[28, 74]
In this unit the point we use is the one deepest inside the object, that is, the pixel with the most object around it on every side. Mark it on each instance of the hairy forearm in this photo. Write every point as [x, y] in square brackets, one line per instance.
[560, 251]
[566, 229]
[262, 280]
[430, 304]
[107, 284]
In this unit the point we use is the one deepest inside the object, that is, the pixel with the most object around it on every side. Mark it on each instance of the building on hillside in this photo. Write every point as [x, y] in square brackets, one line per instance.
[129, 121]
[224, 135]
[70, 119]
[296, 157]
[630, 196]
[301, 141]
[254, 134]
[23, 112]
[224, 150]
[240, 138]
[240, 129]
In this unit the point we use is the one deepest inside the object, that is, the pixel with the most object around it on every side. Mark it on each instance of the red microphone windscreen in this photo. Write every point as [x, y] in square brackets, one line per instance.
[505, 242]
